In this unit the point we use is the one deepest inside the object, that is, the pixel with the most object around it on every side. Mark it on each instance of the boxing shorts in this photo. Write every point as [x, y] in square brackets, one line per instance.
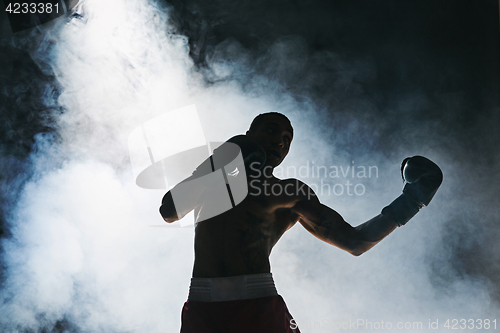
[236, 304]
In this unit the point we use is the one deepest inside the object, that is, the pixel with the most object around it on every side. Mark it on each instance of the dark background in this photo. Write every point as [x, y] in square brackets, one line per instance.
[429, 71]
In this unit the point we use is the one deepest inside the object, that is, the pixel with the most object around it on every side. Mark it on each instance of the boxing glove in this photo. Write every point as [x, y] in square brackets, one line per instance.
[254, 156]
[252, 153]
[422, 178]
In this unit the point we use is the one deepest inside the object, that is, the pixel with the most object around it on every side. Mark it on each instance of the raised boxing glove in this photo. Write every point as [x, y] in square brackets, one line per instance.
[422, 179]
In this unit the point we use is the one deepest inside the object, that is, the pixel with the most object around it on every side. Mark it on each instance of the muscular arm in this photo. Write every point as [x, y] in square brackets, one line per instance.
[422, 179]
[327, 225]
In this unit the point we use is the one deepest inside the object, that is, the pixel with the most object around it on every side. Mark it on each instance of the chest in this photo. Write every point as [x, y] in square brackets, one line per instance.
[269, 213]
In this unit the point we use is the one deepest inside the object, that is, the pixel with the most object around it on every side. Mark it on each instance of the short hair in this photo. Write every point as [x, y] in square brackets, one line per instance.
[257, 121]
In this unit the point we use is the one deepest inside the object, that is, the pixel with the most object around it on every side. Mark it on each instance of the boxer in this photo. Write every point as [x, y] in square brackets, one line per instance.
[232, 288]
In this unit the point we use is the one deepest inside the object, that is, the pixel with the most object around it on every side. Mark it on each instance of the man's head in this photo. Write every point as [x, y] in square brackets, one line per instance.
[274, 132]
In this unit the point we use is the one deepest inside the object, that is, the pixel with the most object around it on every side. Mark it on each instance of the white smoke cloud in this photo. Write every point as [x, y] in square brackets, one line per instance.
[82, 246]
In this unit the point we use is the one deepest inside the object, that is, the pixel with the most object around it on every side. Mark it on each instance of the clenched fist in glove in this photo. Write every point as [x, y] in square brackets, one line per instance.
[422, 179]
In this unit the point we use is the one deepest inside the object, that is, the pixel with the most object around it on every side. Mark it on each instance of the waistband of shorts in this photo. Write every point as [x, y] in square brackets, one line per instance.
[232, 288]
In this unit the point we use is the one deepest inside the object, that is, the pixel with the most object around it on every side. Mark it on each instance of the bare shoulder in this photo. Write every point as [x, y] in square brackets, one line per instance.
[298, 189]
[302, 204]
[305, 204]
[280, 193]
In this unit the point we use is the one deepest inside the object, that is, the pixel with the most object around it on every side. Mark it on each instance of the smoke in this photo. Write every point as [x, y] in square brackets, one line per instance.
[80, 253]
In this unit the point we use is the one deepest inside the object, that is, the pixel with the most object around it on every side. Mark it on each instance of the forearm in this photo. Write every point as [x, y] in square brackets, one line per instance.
[422, 179]
[329, 226]
[368, 234]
